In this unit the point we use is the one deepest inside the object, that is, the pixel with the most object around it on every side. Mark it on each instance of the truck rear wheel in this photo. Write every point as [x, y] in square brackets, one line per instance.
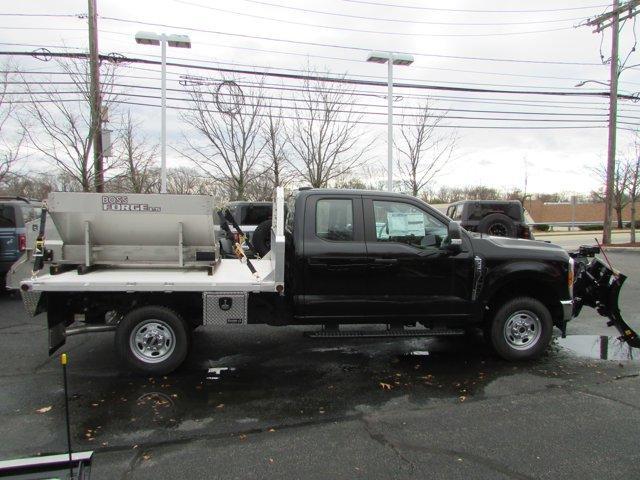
[521, 329]
[153, 340]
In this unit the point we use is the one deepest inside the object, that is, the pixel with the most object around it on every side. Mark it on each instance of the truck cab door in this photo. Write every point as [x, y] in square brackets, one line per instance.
[335, 259]
[411, 277]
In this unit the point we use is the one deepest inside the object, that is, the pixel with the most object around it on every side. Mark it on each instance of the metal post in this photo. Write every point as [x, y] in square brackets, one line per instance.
[390, 123]
[63, 362]
[613, 106]
[163, 127]
[94, 94]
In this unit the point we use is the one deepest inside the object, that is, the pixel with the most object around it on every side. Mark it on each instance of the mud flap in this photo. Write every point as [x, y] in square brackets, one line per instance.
[57, 327]
[598, 286]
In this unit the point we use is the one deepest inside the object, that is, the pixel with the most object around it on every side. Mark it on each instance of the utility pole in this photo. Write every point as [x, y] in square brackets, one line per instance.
[612, 19]
[95, 94]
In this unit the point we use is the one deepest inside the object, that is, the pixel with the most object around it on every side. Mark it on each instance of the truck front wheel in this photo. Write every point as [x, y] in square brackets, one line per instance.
[153, 340]
[521, 329]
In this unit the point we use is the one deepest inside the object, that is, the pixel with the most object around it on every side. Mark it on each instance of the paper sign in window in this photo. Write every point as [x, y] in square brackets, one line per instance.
[405, 224]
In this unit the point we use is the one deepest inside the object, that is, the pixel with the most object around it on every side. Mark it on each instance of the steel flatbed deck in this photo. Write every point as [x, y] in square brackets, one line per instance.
[229, 276]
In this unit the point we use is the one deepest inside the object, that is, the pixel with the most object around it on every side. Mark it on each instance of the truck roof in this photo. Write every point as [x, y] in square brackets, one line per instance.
[343, 191]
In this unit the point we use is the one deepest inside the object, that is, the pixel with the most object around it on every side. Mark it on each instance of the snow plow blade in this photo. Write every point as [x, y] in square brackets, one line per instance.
[598, 286]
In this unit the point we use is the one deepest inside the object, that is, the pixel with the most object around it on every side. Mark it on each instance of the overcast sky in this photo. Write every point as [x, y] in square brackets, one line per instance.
[553, 159]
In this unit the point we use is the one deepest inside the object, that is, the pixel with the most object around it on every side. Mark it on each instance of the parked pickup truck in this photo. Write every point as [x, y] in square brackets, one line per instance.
[340, 257]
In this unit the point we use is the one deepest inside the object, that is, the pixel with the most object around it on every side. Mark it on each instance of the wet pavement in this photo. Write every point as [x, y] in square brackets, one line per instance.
[265, 402]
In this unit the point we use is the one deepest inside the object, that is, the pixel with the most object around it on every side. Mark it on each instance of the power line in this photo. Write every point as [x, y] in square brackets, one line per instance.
[351, 60]
[281, 98]
[324, 78]
[267, 67]
[375, 32]
[304, 71]
[359, 122]
[412, 7]
[392, 20]
[297, 101]
[295, 107]
[345, 47]
[324, 57]
[45, 28]
[368, 94]
[384, 123]
[59, 15]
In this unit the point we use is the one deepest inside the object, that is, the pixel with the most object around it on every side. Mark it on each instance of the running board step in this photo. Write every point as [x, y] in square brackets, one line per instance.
[435, 332]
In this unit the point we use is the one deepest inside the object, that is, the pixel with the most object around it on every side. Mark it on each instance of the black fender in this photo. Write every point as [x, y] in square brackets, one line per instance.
[552, 276]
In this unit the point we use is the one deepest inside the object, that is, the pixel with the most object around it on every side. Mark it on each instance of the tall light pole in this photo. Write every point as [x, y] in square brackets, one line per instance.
[179, 41]
[391, 59]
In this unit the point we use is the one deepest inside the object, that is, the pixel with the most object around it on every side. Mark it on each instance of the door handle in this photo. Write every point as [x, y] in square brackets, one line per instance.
[386, 261]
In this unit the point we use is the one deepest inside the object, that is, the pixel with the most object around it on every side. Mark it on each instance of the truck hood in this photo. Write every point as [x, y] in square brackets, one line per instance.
[518, 248]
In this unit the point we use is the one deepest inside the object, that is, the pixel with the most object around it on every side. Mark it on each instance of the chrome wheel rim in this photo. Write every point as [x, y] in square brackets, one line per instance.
[522, 330]
[152, 341]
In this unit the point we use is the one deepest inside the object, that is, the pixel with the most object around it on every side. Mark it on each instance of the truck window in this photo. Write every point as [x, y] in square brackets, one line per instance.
[334, 219]
[289, 213]
[7, 216]
[404, 223]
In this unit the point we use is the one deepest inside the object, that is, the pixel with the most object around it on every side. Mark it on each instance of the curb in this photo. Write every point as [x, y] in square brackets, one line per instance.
[595, 233]
[622, 249]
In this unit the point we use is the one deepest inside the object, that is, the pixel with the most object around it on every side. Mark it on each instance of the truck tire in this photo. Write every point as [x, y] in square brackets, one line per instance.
[521, 329]
[261, 238]
[497, 225]
[153, 340]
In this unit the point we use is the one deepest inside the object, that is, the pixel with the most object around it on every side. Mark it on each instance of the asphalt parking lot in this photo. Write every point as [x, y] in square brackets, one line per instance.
[264, 402]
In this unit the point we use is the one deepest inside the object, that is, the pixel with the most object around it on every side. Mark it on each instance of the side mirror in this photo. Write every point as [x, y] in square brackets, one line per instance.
[454, 237]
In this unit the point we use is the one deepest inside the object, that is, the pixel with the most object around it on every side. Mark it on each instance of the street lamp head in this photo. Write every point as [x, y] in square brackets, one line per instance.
[151, 38]
[147, 38]
[179, 41]
[402, 59]
[378, 57]
[396, 58]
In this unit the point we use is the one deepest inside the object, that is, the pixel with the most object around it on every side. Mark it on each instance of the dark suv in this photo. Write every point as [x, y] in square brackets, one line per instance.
[249, 216]
[498, 218]
[15, 212]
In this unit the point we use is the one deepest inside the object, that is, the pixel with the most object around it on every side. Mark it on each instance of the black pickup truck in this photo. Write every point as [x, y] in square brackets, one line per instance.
[377, 257]
[350, 257]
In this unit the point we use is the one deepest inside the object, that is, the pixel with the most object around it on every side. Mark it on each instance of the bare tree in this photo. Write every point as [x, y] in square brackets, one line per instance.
[634, 188]
[59, 128]
[422, 151]
[325, 138]
[189, 181]
[275, 138]
[232, 143]
[11, 140]
[37, 185]
[138, 159]
[620, 186]
[183, 180]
